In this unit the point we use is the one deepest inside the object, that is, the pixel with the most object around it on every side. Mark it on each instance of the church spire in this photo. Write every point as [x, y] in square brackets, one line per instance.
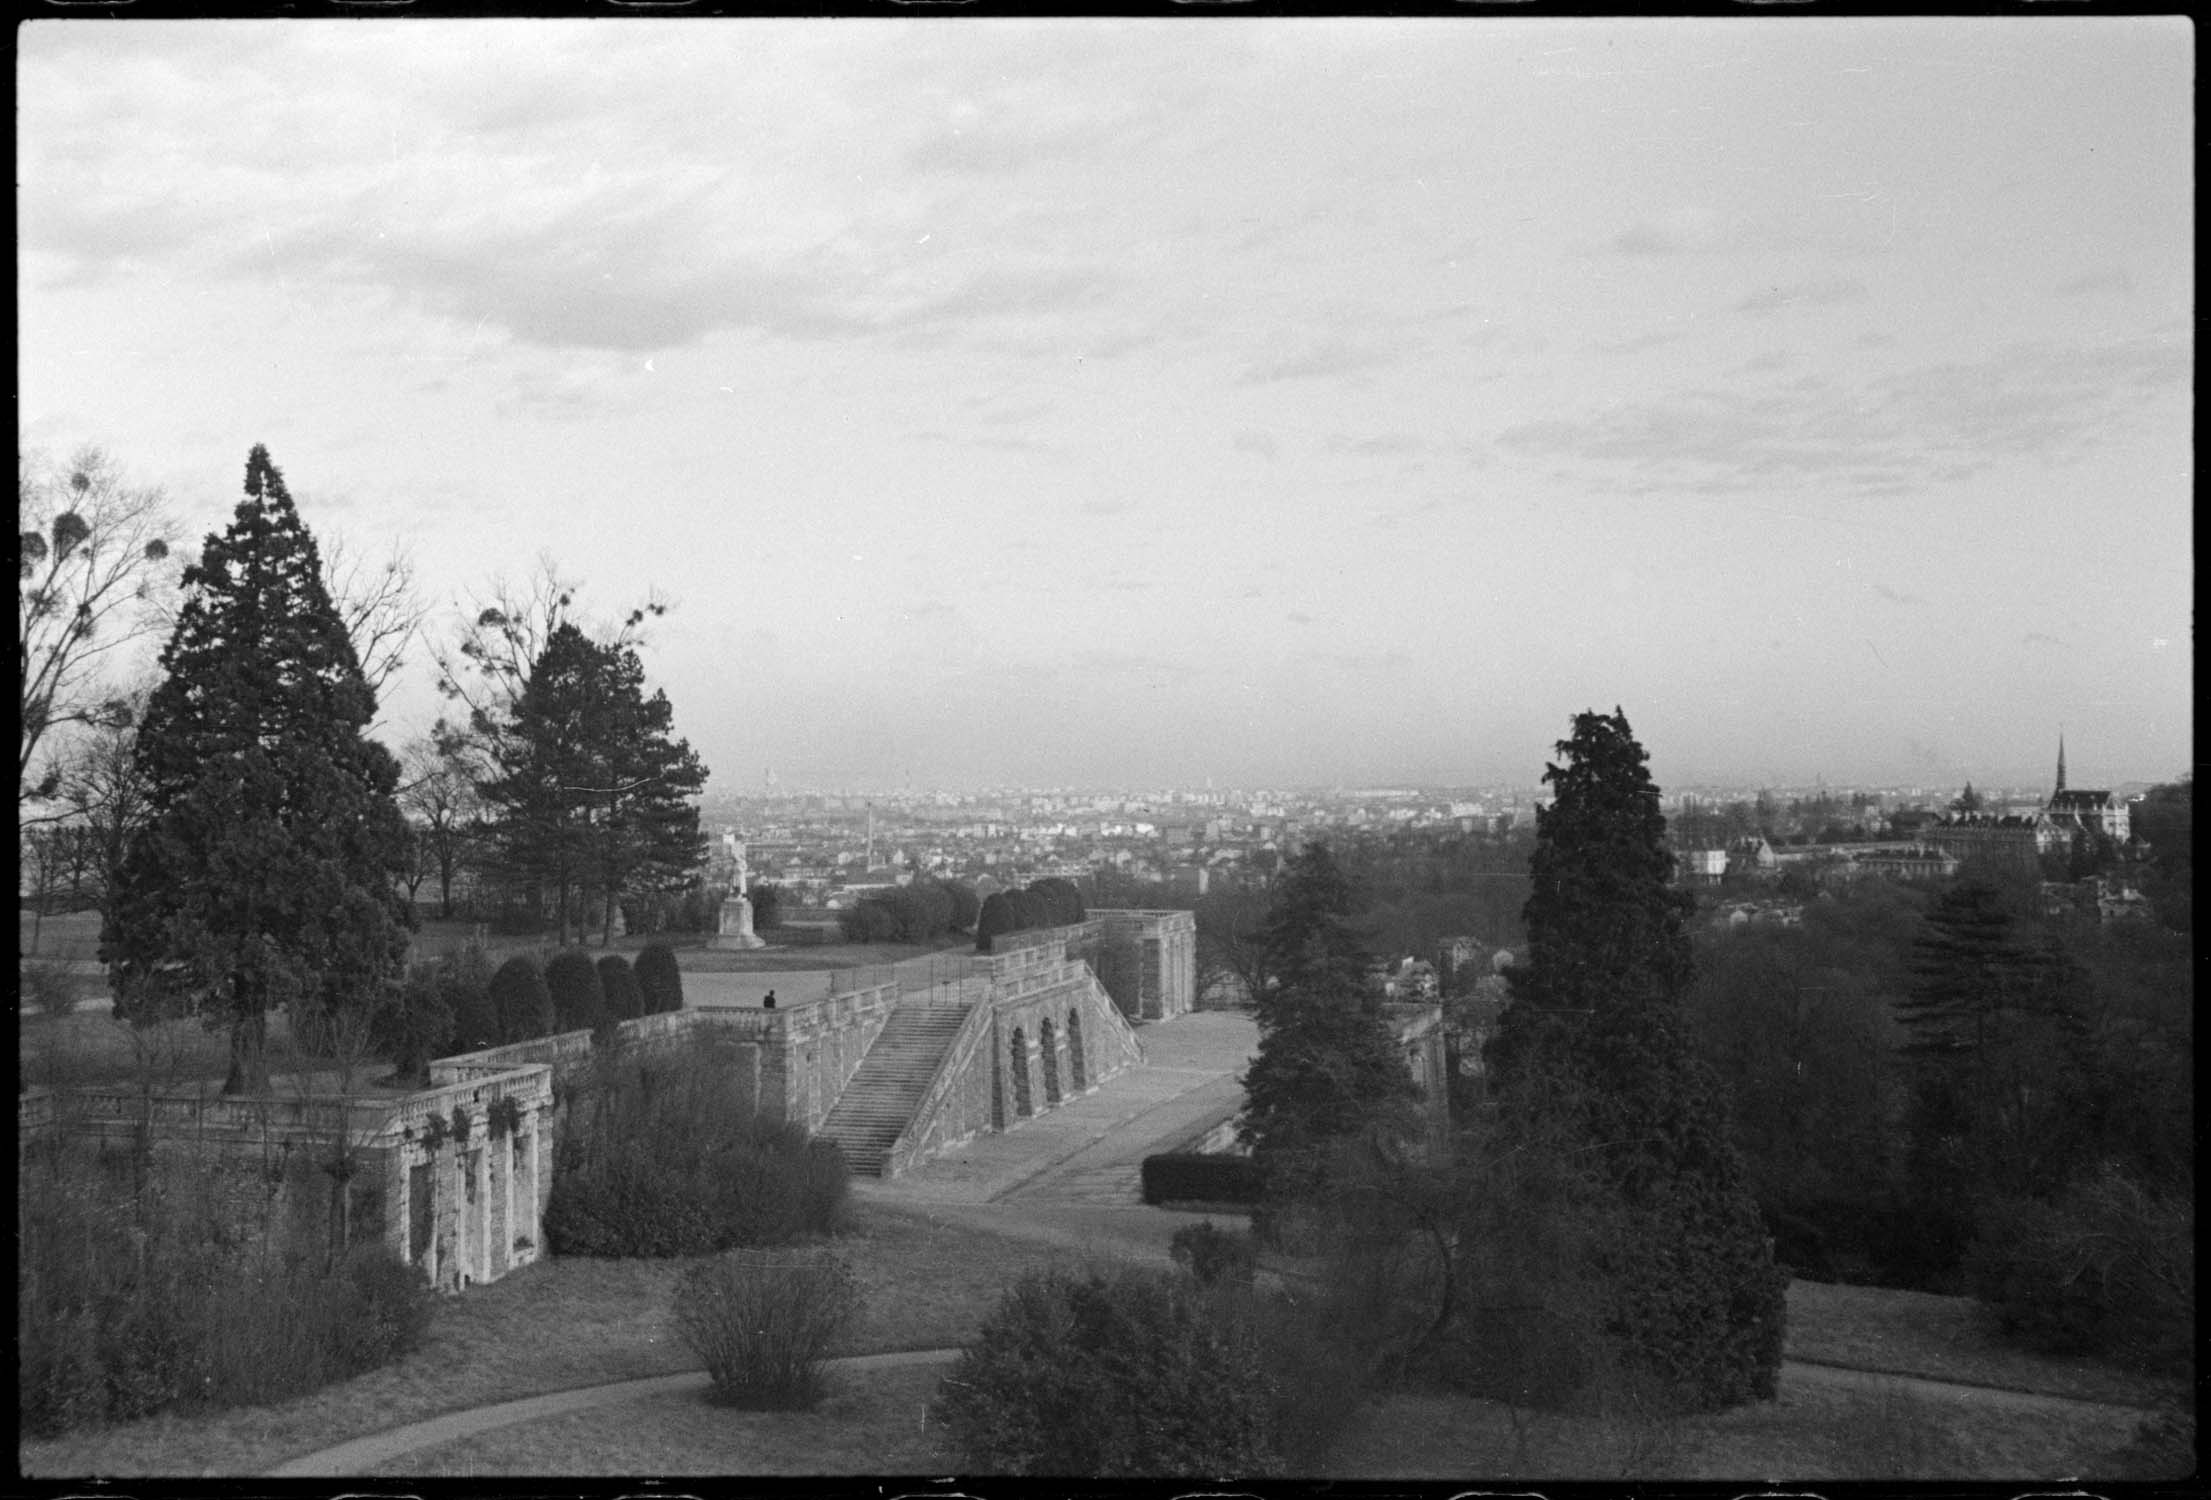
[2061, 761]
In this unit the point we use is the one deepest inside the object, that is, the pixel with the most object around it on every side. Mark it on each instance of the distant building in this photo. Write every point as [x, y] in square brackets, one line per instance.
[2079, 809]
[1701, 866]
[2018, 843]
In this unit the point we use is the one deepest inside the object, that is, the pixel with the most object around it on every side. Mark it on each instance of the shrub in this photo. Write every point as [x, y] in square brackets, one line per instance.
[464, 984]
[48, 986]
[1110, 1373]
[573, 982]
[414, 1023]
[132, 1303]
[2108, 1268]
[993, 917]
[624, 1000]
[870, 920]
[659, 980]
[1213, 1255]
[763, 1325]
[662, 1157]
[521, 1001]
[1195, 1177]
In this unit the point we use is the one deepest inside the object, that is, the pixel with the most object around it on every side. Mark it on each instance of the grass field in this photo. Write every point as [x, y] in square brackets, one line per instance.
[556, 1325]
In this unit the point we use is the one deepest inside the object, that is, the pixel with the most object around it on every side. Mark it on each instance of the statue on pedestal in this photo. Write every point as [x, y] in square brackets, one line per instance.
[736, 924]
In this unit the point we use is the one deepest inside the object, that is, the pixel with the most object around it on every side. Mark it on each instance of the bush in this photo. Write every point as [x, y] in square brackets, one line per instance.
[1195, 1177]
[383, 1309]
[521, 1001]
[618, 981]
[1111, 1373]
[579, 1004]
[414, 1023]
[133, 1303]
[48, 986]
[662, 1157]
[2108, 1268]
[870, 920]
[763, 1325]
[993, 917]
[659, 980]
[464, 984]
[1213, 1255]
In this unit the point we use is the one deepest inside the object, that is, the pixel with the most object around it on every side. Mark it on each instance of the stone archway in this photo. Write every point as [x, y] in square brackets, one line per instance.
[1048, 1043]
[1022, 1105]
[1074, 1050]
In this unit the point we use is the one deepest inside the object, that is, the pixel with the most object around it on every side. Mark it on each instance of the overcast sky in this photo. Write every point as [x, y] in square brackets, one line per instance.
[1089, 402]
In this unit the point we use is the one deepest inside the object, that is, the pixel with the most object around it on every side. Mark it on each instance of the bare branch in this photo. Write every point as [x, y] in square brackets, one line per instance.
[96, 565]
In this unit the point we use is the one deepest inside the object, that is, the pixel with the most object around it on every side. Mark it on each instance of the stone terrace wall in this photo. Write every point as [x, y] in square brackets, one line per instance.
[793, 1061]
[1148, 961]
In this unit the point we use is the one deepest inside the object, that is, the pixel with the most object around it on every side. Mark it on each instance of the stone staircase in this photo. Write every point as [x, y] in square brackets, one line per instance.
[880, 1100]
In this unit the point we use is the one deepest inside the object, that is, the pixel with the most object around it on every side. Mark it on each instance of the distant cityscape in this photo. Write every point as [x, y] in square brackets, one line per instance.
[828, 849]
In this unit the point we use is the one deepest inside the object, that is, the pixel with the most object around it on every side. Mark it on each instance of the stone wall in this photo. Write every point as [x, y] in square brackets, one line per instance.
[1148, 961]
[462, 1197]
[1047, 1034]
[792, 1062]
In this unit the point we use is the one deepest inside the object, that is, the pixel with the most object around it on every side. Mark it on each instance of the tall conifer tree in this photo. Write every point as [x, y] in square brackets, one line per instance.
[1328, 1069]
[1594, 1036]
[265, 872]
[594, 794]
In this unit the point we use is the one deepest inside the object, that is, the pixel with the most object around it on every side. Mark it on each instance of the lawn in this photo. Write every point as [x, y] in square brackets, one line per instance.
[1810, 1432]
[871, 1422]
[1941, 1338]
[556, 1325]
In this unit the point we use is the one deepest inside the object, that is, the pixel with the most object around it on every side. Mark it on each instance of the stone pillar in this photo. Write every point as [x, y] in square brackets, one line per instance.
[736, 925]
[506, 1251]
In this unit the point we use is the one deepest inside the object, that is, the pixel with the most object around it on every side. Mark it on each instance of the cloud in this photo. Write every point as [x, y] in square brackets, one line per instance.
[1299, 617]
[2037, 638]
[2049, 402]
[1261, 443]
[1328, 356]
[1642, 342]
[1105, 507]
[1644, 239]
[1810, 293]
[1894, 597]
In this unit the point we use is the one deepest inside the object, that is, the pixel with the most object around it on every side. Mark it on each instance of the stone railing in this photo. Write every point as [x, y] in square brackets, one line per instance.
[1011, 952]
[951, 1074]
[530, 1086]
[222, 1112]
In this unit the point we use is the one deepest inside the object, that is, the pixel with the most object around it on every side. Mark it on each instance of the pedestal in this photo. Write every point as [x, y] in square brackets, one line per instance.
[736, 926]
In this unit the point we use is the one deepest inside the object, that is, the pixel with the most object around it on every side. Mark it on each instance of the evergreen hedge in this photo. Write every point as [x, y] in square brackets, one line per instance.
[521, 1001]
[579, 1004]
[624, 1000]
[659, 979]
[1195, 1177]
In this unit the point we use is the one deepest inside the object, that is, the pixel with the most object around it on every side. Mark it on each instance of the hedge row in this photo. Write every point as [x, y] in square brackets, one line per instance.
[1191, 1177]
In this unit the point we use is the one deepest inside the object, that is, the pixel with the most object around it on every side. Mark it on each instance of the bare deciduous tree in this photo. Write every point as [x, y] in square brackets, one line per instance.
[95, 564]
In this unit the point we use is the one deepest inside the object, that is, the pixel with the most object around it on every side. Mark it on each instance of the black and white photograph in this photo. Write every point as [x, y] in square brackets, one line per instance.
[1258, 748]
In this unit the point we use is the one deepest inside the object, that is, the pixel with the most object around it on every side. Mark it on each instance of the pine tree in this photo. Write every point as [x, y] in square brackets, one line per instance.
[593, 795]
[265, 872]
[1594, 1034]
[1327, 1069]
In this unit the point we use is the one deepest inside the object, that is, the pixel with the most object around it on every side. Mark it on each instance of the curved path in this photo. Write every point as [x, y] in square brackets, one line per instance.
[1066, 1178]
[363, 1455]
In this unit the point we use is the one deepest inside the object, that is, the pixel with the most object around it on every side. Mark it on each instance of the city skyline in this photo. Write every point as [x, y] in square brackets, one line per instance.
[1287, 403]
